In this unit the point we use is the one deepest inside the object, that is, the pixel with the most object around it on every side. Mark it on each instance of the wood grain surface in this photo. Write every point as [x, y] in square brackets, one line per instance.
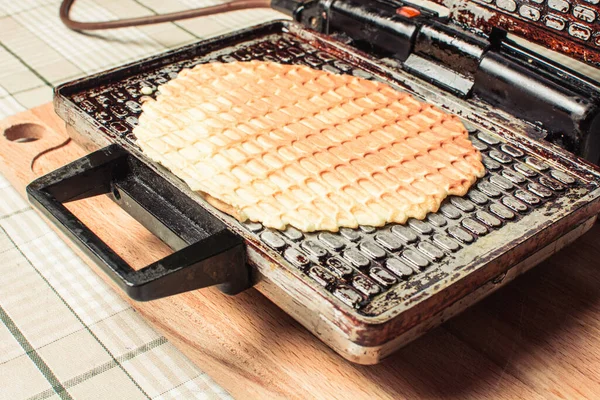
[539, 337]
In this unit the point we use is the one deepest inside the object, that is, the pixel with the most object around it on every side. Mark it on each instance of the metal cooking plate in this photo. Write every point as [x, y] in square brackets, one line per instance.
[359, 266]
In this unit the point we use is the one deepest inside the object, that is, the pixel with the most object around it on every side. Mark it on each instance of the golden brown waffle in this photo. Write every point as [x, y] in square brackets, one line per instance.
[286, 144]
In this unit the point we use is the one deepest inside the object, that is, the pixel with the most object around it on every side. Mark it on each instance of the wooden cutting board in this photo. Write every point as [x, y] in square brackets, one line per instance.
[537, 338]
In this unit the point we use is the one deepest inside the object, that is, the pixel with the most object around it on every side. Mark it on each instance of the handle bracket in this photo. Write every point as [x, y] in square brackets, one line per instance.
[206, 253]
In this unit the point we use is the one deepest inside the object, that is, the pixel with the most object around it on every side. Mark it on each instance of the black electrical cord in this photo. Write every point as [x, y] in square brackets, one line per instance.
[65, 8]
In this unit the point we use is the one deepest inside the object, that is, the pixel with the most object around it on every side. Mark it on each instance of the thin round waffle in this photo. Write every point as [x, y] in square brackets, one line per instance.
[289, 145]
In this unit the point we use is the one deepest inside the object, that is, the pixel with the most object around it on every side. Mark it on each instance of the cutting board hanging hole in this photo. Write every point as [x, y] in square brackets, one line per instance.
[24, 133]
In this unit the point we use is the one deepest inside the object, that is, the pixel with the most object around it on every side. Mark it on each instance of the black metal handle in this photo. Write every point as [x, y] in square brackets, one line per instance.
[207, 252]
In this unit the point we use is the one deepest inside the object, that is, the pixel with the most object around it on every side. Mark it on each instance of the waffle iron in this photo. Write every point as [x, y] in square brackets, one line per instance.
[366, 291]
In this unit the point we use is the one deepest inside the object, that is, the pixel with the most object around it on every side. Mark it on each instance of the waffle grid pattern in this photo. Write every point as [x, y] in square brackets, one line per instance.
[287, 144]
[359, 265]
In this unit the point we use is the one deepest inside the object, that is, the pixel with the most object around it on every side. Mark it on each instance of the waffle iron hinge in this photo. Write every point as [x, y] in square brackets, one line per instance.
[560, 103]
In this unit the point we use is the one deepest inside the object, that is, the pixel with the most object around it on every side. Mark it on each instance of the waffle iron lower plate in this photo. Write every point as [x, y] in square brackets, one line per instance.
[368, 291]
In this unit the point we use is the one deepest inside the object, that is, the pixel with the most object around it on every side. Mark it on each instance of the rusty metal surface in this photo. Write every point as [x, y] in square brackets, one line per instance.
[567, 26]
[372, 284]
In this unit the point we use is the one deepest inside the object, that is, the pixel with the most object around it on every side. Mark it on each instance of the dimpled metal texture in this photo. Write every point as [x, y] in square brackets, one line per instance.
[356, 267]
[291, 145]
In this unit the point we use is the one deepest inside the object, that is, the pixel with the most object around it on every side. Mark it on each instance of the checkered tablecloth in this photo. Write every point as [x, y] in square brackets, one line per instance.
[63, 332]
